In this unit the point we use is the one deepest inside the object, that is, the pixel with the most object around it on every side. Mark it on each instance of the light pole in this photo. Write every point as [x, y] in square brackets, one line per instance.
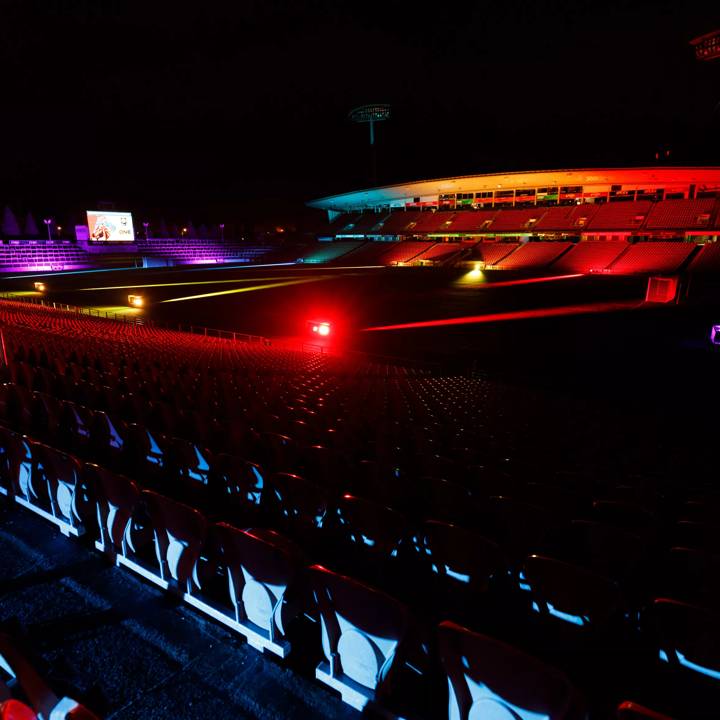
[146, 225]
[48, 224]
[371, 114]
[222, 232]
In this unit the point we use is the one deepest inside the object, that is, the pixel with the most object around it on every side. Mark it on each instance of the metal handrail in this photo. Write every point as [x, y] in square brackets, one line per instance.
[106, 315]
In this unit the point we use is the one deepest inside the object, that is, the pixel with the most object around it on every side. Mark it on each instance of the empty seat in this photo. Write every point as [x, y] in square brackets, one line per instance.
[487, 678]
[362, 634]
[632, 711]
[688, 636]
[39, 696]
[15, 463]
[261, 565]
[179, 533]
[116, 498]
[570, 593]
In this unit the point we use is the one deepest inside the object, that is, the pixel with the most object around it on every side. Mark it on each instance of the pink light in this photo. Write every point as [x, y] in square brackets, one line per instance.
[530, 281]
[516, 315]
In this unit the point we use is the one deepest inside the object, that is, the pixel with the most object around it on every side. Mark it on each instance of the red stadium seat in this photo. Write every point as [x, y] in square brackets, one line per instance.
[487, 678]
[362, 634]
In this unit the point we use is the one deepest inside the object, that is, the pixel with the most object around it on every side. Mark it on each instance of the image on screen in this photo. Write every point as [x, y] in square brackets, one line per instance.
[107, 226]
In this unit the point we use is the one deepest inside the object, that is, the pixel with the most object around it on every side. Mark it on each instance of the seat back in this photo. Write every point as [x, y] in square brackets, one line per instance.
[688, 636]
[296, 500]
[261, 565]
[489, 679]
[361, 627]
[179, 532]
[369, 525]
[116, 497]
[458, 557]
[571, 593]
[15, 463]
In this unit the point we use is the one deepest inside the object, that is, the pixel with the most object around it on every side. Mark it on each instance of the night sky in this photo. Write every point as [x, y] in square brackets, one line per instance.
[241, 107]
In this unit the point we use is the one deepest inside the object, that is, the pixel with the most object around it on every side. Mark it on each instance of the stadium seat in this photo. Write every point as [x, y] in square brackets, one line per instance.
[688, 637]
[489, 679]
[632, 711]
[296, 506]
[261, 566]
[571, 594]
[41, 701]
[179, 532]
[362, 634]
[58, 490]
[116, 498]
[15, 463]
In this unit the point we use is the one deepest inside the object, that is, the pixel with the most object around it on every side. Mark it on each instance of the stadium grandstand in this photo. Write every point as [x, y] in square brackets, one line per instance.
[494, 496]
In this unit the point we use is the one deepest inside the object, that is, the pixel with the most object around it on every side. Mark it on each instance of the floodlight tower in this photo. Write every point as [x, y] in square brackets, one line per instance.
[371, 114]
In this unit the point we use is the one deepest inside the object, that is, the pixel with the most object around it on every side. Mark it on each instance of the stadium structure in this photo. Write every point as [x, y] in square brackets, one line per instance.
[199, 522]
[592, 220]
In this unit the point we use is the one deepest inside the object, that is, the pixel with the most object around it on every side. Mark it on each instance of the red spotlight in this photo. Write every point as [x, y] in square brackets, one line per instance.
[319, 327]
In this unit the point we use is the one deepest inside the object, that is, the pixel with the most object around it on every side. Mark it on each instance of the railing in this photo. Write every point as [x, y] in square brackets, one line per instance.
[131, 320]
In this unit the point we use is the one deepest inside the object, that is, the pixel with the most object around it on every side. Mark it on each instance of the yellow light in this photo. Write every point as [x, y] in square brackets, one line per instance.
[40, 287]
[136, 300]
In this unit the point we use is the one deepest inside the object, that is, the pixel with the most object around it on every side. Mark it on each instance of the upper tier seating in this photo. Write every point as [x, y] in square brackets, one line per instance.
[619, 216]
[681, 214]
[590, 256]
[369, 222]
[432, 222]
[398, 221]
[568, 218]
[520, 220]
[533, 254]
[648, 257]
[472, 221]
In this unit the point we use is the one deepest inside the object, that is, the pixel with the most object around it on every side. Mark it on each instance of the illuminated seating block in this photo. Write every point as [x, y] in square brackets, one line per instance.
[649, 257]
[536, 254]
[589, 256]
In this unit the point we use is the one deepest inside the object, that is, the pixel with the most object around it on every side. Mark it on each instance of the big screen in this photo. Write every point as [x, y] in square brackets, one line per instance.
[107, 226]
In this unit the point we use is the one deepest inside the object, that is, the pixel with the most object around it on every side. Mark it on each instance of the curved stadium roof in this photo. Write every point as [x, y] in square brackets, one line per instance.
[669, 178]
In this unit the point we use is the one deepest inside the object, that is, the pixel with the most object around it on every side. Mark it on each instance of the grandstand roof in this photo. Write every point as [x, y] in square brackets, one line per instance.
[402, 194]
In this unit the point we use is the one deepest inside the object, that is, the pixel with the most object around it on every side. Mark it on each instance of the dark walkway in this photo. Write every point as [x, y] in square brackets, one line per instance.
[126, 649]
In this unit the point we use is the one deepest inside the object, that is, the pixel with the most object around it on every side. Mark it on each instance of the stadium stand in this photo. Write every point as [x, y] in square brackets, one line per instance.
[649, 257]
[681, 214]
[442, 252]
[369, 222]
[432, 222]
[626, 216]
[327, 252]
[187, 459]
[533, 254]
[472, 221]
[399, 221]
[521, 221]
[590, 256]
[707, 260]
[491, 253]
[404, 251]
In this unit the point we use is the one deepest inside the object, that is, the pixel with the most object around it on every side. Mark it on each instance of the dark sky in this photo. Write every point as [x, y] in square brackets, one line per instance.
[235, 106]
